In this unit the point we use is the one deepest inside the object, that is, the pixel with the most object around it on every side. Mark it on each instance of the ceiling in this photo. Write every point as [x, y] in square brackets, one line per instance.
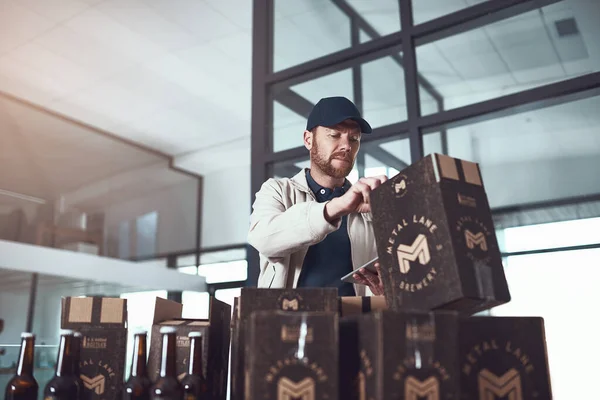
[176, 75]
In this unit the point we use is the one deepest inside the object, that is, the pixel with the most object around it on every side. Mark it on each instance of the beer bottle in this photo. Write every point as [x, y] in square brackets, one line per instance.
[63, 386]
[23, 385]
[194, 384]
[138, 385]
[167, 386]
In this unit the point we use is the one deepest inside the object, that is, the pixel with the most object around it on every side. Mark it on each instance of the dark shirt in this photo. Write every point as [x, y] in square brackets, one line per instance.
[327, 261]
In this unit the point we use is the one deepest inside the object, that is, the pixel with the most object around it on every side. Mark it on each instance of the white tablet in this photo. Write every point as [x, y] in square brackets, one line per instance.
[370, 266]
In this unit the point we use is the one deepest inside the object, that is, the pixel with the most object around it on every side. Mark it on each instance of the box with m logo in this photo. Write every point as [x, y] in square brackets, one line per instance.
[503, 358]
[436, 239]
[399, 355]
[291, 355]
[263, 299]
[102, 324]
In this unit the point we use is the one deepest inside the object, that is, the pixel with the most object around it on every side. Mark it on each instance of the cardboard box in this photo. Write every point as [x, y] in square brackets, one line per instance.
[292, 355]
[504, 357]
[215, 342]
[399, 355]
[354, 305]
[262, 299]
[102, 324]
[436, 239]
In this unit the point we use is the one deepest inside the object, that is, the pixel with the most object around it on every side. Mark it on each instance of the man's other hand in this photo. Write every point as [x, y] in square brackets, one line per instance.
[356, 199]
[368, 278]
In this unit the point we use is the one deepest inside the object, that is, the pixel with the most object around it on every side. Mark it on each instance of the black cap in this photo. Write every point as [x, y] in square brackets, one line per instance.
[330, 111]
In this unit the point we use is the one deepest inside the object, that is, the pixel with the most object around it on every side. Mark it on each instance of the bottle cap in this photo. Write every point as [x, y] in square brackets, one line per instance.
[167, 329]
[140, 331]
[67, 332]
[195, 334]
[26, 335]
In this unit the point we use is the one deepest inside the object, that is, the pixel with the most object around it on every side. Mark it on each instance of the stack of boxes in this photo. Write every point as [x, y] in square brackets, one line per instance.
[440, 264]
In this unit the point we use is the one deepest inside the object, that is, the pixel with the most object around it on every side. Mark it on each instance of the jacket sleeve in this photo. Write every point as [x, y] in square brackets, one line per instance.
[276, 231]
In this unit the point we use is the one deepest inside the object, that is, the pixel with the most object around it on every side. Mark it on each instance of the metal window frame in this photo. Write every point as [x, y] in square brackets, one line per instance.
[268, 84]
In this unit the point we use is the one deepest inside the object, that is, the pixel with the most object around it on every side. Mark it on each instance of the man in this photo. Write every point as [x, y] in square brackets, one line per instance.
[314, 228]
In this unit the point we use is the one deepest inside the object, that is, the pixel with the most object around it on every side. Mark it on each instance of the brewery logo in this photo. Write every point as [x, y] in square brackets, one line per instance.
[94, 342]
[412, 245]
[400, 184]
[182, 341]
[366, 372]
[423, 382]
[293, 378]
[289, 301]
[98, 376]
[467, 201]
[291, 334]
[476, 238]
[498, 369]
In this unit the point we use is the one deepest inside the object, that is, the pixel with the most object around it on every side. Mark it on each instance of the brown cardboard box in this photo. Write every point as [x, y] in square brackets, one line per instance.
[292, 355]
[215, 342]
[504, 357]
[262, 299]
[399, 355]
[436, 239]
[353, 305]
[102, 324]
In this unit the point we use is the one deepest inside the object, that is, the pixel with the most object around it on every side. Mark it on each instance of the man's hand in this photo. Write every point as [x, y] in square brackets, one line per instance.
[356, 199]
[368, 278]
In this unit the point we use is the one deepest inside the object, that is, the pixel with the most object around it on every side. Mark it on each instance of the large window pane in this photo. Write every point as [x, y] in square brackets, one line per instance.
[536, 48]
[383, 98]
[559, 287]
[305, 30]
[542, 155]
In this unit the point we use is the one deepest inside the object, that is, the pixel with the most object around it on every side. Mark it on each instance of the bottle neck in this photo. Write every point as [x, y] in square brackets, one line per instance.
[64, 364]
[25, 365]
[167, 365]
[196, 356]
[76, 355]
[138, 365]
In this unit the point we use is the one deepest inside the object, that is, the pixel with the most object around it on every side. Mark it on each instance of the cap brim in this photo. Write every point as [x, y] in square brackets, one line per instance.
[362, 123]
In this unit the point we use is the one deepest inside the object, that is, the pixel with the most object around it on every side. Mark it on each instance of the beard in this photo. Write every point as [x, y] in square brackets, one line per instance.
[324, 163]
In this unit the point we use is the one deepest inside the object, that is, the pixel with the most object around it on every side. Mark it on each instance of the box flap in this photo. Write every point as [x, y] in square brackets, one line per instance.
[78, 312]
[166, 309]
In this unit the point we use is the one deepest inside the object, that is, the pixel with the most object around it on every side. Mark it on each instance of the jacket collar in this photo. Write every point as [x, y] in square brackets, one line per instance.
[300, 180]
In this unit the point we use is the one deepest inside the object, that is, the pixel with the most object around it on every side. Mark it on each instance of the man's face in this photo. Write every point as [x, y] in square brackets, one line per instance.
[333, 149]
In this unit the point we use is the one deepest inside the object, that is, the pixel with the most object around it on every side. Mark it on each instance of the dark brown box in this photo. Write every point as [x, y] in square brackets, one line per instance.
[399, 355]
[263, 299]
[215, 342]
[504, 357]
[354, 305]
[102, 324]
[292, 355]
[436, 239]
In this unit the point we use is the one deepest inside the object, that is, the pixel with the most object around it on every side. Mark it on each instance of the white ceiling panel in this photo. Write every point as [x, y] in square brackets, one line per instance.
[238, 12]
[140, 17]
[56, 11]
[98, 59]
[196, 17]
[96, 25]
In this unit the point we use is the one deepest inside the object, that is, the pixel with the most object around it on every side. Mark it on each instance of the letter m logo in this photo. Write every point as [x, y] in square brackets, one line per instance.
[507, 386]
[414, 389]
[96, 383]
[287, 304]
[290, 390]
[477, 239]
[419, 250]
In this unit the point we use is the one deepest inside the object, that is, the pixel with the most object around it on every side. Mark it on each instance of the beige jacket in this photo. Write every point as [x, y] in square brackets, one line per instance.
[286, 220]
